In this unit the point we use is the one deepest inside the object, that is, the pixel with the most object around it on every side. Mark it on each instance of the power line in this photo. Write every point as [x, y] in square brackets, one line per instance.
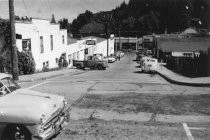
[90, 6]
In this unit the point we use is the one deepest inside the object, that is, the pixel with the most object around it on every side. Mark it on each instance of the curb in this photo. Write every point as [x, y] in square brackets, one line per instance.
[183, 83]
[43, 78]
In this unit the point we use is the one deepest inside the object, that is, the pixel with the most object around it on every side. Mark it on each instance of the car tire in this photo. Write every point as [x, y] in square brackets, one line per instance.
[99, 67]
[16, 132]
[78, 66]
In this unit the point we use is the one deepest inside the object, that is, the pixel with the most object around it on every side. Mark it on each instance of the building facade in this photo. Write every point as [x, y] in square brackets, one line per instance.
[80, 49]
[48, 43]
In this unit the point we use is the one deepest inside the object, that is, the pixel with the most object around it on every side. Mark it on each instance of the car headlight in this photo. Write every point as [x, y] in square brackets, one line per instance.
[42, 118]
[65, 102]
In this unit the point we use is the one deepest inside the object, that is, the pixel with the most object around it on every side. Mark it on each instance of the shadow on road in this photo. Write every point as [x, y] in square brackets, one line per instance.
[137, 72]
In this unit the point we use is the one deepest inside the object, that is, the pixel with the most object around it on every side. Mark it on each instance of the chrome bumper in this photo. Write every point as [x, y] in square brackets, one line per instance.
[55, 127]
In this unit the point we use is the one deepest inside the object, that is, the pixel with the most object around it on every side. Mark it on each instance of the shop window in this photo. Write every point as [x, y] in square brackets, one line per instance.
[41, 44]
[51, 42]
[63, 39]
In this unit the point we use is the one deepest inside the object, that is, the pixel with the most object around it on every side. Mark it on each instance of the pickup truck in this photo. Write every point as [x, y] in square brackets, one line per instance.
[92, 62]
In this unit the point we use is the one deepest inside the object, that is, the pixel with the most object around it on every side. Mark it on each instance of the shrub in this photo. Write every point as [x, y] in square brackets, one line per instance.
[62, 62]
[26, 63]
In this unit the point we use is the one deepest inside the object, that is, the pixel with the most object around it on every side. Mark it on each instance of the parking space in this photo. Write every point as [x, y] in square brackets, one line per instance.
[199, 131]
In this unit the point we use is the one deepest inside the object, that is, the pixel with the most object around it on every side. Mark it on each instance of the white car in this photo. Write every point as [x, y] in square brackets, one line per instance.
[149, 64]
[121, 53]
[111, 58]
[27, 114]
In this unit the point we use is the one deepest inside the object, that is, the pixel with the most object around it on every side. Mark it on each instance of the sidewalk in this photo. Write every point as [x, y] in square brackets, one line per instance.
[45, 75]
[175, 78]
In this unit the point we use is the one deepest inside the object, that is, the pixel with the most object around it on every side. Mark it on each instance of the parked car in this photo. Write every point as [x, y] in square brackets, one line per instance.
[140, 53]
[111, 58]
[27, 114]
[121, 53]
[99, 56]
[149, 64]
[92, 62]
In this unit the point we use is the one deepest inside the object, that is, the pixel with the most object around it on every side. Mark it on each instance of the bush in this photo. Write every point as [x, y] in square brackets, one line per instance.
[26, 63]
[62, 62]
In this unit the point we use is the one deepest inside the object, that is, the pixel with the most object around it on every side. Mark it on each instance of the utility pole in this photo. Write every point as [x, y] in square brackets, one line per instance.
[108, 36]
[14, 58]
[120, 39]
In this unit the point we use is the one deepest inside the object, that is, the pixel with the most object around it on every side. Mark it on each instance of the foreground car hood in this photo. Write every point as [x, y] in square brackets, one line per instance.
[26, 106]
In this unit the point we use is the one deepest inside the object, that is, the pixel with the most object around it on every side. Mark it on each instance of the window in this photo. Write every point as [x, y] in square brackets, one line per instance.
[70, 58]
[77, 55]
[41, 44]
[47, 64]
[51, 42]
[56, 60]
[63, 39]
[26, 44]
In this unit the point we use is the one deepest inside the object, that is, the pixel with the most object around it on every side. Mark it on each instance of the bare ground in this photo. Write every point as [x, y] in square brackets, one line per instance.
[91, 128]
[120, 130]
[151, 103]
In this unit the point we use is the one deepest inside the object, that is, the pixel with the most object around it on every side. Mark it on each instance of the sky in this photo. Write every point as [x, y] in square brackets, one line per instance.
[60, 8]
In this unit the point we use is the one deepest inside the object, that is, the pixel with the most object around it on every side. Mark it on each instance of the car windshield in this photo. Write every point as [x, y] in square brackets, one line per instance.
[7, 85]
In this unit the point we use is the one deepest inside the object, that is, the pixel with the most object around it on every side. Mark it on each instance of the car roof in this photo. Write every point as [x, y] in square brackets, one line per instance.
[4, 75]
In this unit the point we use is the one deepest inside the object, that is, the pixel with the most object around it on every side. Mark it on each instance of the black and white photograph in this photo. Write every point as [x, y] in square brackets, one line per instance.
[105, 70]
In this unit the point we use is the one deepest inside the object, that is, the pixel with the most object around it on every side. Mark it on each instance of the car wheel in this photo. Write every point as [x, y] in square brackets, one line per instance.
[78, 66]
[16, 132]
[104, 68]
[99, 67]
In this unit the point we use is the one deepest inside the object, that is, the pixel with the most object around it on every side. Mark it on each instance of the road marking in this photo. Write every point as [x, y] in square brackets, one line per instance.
[187, 130]
[196, 128]
[37, 85]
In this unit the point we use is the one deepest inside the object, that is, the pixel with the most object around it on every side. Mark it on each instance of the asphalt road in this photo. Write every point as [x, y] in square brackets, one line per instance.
[123, 78]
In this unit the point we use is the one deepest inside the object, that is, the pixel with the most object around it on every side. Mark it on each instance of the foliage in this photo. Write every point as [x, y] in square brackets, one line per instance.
[80, 21]
[53, 19]
[92, 27]
[17, 18]
[26, 63]
[147, 17]
[64, 24]
[62, 62]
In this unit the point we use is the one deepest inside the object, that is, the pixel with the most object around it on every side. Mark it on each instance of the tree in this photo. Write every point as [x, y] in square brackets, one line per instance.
[53, 19]
[17, 18]
[26, 63]
[150, 16]
[80, 21]
[93, 27]
[64, 24]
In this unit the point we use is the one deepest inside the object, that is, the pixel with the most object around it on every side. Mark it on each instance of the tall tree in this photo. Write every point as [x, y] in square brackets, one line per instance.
[53, 19]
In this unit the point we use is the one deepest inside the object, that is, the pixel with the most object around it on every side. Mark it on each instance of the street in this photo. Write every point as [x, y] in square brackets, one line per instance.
[123, 103]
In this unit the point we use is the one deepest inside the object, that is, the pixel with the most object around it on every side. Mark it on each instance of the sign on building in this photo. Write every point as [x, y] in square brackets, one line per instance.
[26, 44]
[90, 42]
[86, 51]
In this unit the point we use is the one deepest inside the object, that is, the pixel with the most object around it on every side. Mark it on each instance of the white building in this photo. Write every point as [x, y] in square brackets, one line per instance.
[46, 41]
[80, 49]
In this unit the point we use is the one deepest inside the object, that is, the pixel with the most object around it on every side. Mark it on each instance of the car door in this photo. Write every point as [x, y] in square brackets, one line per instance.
[90, 61]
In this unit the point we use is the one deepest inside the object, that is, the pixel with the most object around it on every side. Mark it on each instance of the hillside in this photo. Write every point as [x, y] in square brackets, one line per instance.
[140, 17]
